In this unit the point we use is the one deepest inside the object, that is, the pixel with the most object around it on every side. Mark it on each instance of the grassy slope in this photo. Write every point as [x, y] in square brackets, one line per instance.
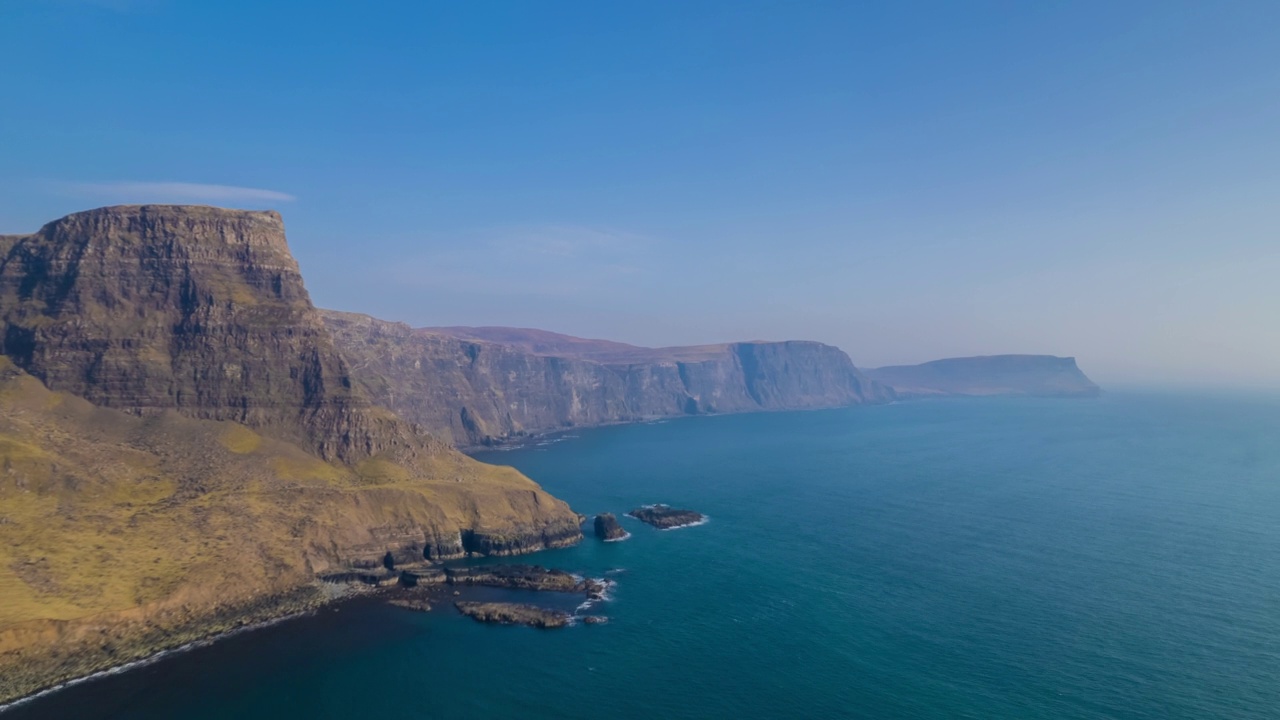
[121, 535]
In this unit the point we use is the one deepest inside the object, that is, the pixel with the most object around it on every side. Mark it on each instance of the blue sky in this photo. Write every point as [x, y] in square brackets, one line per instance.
[905, 180]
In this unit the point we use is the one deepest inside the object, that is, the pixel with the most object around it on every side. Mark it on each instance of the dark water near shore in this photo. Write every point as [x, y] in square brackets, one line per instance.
[1117, 558]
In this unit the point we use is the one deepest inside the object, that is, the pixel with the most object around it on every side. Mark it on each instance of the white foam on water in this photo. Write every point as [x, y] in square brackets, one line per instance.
[705, 519]
[605, 595]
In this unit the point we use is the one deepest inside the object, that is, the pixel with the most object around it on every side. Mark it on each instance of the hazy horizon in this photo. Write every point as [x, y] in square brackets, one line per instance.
[907, 183]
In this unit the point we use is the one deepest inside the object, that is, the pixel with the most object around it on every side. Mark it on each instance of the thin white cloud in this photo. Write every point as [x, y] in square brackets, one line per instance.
[554, 260]
[153, 191]
[564, 241]
[119, 6]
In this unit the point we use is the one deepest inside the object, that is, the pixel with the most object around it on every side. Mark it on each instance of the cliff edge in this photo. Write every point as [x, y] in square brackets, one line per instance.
[479, 386]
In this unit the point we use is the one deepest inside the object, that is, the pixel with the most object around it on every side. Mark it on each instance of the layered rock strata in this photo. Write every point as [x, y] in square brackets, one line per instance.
[473, 391]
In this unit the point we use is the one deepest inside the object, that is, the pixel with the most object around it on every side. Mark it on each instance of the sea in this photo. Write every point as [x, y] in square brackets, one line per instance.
[1116, 557]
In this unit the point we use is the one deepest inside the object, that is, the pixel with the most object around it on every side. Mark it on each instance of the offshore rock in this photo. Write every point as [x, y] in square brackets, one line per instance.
[514, 614]
[666, 517]
[607, 528]
[521, 577]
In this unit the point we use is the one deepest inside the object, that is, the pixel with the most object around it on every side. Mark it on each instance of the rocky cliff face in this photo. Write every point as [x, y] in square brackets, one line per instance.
[195, 309]
[182, 449]
[476, 392]
[1040, 375]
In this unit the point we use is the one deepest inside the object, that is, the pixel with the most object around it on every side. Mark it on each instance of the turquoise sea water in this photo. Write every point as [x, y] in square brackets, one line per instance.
[1111, 558]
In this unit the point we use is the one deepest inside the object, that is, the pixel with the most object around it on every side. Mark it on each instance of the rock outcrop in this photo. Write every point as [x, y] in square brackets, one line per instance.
[182, 449]
[514, 614]
[523, 577]
[194, 309]
[476, 392]
[607, 528]
[1035, 375]
[665, 517]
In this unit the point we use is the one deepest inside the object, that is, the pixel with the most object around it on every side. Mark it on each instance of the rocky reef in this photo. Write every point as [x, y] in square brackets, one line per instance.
[514, 614]
[1034, 375]
[480, 386]
[184, 450]
[517, 577]
[524, 577]
[665, 517]
[423, 584]
[607, 528]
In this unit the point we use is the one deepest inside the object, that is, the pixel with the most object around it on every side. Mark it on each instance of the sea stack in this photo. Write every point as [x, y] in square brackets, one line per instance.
[607, 528]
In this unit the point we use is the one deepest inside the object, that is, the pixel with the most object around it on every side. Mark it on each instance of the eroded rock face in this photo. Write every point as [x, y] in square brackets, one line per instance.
[195, 309]
[607, 527]
[475, 391]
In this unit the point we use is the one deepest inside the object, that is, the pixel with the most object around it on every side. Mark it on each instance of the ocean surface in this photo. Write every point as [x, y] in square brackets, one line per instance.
[1109, 558]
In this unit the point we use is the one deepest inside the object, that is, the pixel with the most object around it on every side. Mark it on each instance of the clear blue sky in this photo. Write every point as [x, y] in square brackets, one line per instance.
[905, 180]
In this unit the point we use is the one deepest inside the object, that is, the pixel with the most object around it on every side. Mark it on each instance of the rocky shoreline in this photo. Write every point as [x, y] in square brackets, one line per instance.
[418, 585]
[29, 675]
[108, 646]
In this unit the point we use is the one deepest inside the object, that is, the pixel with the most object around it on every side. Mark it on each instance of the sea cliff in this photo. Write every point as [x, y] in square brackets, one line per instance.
[473, 391]
[184, 451]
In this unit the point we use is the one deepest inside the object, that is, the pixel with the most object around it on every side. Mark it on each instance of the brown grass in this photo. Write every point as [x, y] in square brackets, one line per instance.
[133, 525]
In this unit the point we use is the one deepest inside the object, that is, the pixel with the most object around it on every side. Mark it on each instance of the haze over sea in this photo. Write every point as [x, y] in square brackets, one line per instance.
[1001, 558]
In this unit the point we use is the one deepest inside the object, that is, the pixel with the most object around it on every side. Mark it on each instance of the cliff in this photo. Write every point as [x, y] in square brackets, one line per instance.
[1039, 375]
[195, 309]
[478, 391]
[183, 450]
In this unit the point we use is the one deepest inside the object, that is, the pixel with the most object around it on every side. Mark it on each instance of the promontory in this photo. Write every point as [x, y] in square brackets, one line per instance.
[183, 450]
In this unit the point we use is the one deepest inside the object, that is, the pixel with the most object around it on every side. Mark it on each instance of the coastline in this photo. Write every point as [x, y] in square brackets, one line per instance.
[554, 435]
[159, 655]
[307, 601]
[27, 677]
